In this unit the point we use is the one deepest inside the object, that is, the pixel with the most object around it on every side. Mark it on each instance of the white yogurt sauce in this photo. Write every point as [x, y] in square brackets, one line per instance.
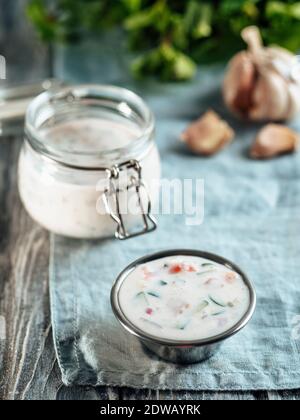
[63, 200]
[91, 134]
[183, 298]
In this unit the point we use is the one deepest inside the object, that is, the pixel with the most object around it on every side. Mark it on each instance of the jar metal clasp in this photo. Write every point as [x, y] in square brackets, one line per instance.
[111, 199]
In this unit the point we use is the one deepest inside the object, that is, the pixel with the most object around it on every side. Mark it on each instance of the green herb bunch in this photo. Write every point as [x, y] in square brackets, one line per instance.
[171, 36]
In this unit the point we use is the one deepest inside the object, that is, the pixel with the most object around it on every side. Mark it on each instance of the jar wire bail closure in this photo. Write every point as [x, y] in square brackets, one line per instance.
[136, 183]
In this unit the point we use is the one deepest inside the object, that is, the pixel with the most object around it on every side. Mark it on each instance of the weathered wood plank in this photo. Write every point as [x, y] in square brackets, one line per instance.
[138, 394]
[133, 394]
[46, 379]
[88, 393]
[27, 355]
[206, 395]
[24, 284]
[77, 393]
[284, 395]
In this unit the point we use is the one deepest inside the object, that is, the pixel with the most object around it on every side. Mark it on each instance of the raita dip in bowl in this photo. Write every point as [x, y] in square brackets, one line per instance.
[183, 303]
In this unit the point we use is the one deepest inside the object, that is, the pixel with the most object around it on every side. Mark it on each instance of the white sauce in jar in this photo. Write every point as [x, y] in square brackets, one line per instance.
[183, 298]
[91, 134]
[64, 200]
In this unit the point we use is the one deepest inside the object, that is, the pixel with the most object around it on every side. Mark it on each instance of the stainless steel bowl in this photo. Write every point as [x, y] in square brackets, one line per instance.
[190, 351]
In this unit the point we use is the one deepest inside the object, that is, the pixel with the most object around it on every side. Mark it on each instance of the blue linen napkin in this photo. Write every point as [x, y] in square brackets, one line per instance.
[251, 217]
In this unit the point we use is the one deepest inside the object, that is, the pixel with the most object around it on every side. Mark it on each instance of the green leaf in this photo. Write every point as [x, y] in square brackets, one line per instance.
[276, 8]
[184, 67]
[251, 9]
[281, 9]
[170, 36]
[157, 16]
[44, 22]
[203, 27]
[295, 10]
[198, 19]
[139, 21]
[165, 62]
[132, 5]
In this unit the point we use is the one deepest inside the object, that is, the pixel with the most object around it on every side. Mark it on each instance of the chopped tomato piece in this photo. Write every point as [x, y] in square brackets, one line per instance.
[147, 274]
[175, 268]
[149, 311]
[230, 277]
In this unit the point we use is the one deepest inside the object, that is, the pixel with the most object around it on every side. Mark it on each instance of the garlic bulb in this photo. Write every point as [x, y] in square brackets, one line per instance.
[260, 83]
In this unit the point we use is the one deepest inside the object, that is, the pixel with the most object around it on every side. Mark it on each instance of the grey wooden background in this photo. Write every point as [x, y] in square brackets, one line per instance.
[28, 366]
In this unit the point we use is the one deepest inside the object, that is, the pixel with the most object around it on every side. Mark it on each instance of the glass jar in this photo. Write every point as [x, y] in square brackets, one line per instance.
[89, 165]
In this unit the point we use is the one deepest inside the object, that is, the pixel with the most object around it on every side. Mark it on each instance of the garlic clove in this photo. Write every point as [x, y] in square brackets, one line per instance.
[280, 59]
[294, 102]
[270, 97]
[273, 140]
[239, 83]
[260, 101]
[208, 134]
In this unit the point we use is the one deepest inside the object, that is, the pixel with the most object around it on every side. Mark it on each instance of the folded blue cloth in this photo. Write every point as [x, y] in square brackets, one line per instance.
[251, 217]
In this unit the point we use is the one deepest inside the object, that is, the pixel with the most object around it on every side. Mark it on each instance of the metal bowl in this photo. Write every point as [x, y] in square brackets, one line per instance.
[190, 351]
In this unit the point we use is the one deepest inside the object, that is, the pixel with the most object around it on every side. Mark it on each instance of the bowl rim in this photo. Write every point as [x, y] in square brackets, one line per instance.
[141, 334]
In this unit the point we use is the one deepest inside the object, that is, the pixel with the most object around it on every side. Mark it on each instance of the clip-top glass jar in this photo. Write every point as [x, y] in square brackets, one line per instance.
[89, 152]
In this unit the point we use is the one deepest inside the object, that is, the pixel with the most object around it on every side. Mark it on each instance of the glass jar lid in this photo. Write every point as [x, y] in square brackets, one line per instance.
[89, 126]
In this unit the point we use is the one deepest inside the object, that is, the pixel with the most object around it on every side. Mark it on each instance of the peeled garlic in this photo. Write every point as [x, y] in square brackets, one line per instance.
[260, 83]
[208, 134]
[273, 140]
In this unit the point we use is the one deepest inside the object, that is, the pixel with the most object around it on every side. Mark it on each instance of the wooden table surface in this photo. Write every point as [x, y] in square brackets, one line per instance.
[28, 365]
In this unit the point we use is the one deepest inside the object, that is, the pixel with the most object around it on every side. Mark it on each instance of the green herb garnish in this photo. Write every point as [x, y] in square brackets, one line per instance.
[201, 306]
[155, 324]
[201, 273]
[162, 283]
[142, 295]
[217, 302]
[207, 265]
[218, 313]
[183, 324]
[154, 294]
